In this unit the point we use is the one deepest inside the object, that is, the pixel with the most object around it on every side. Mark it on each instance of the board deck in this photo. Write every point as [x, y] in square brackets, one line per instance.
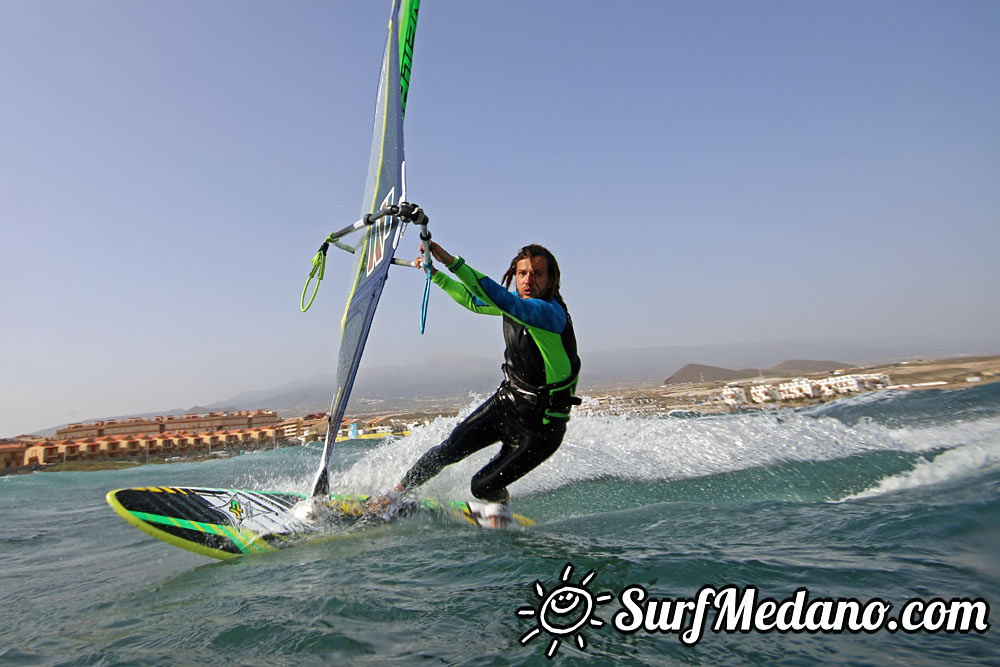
[225, 523]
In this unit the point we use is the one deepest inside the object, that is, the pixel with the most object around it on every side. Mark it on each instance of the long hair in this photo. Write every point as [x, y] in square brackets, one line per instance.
[535, 250]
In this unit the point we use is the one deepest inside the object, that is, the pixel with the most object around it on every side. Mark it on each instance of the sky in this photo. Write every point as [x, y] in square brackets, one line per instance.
[708, 172]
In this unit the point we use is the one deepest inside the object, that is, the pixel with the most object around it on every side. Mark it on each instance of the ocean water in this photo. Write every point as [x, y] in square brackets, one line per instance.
[893, 496]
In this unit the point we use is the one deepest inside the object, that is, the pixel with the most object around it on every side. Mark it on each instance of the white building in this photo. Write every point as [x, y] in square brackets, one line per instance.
[762, 393]
[734, 395]
[797, 388]
[846, 384]
[800, 388]
[824, 388]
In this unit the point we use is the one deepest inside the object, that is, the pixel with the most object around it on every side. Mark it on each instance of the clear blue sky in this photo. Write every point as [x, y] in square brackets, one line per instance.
[706, 172]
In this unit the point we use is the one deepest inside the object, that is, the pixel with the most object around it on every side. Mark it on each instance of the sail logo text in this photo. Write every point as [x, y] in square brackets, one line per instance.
[406, 52]
[381, 231]
[731, 609]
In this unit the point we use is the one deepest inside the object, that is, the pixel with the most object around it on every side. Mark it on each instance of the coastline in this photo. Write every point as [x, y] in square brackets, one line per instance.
[705, 397]
[643, 400]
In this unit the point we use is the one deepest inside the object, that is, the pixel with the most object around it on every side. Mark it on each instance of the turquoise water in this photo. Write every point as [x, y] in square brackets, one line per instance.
[891, 495]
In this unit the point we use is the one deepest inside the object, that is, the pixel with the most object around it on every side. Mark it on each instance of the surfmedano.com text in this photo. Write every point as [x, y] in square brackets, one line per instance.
[740, 610]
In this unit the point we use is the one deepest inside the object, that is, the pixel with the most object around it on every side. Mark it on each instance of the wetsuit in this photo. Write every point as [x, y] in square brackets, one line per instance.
[529, 411]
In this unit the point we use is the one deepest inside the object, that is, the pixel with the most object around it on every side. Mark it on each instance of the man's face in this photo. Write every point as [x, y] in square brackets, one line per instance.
[531, 278]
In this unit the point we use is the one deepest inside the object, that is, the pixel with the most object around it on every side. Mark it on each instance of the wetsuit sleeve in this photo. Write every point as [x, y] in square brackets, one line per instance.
[543, 314]
[462, 295]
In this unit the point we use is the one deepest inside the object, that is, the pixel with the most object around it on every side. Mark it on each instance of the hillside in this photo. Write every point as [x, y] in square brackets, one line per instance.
[703, 373]
[805, 367]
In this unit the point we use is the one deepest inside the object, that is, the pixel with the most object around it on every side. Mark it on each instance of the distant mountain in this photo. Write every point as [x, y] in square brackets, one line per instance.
[442, 380]
[805, 367]
[652, 364]
[299, 397]
[703, 373]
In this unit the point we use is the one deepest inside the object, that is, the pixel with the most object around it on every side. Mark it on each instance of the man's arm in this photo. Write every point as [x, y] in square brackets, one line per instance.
[540, 313]
[461, 294]
[481, 294]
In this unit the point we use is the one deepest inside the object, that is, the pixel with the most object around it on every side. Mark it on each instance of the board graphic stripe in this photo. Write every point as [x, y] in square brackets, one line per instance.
[243, 544]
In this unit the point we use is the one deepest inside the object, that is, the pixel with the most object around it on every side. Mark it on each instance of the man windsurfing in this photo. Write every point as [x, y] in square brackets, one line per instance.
[528, 413]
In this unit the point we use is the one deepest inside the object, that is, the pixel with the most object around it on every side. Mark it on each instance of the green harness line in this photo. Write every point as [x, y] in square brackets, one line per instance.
[319, 265]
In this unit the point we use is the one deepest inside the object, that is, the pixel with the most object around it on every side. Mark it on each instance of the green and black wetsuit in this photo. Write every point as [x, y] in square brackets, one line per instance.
[529, 411]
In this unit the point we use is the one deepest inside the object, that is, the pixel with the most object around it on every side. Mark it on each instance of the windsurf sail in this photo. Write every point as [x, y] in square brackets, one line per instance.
[385, 187]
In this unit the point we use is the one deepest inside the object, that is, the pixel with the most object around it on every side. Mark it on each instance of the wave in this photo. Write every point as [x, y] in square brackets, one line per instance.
[956, 465]
[832, 452]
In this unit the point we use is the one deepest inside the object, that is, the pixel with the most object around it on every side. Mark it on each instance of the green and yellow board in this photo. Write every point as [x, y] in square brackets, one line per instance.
[225, 523]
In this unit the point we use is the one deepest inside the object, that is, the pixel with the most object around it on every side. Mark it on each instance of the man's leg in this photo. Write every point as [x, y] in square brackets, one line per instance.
[525, 452]
[480, 429]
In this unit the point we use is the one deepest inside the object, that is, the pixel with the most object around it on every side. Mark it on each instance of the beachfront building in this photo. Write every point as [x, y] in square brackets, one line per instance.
[12, 453]
[733, 395]
[147, 439]
[383, 426]
[828, 387]
[846, 384]
[762, 393]
[377, 427]
[310, 428]
[795, 389]
[874, 381]
[193, 423]
[143, 446]
[824, 388]
[313, 427]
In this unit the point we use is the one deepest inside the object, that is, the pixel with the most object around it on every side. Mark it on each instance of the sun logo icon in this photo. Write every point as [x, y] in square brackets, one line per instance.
[564, 611]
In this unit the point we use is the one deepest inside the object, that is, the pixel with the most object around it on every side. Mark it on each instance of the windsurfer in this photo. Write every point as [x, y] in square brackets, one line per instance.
[528, 413]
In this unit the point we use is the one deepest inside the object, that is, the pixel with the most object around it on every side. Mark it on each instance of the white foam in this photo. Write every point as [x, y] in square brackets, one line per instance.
[952, 465]
[948, 435]
[659, 448]
[656, 448]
